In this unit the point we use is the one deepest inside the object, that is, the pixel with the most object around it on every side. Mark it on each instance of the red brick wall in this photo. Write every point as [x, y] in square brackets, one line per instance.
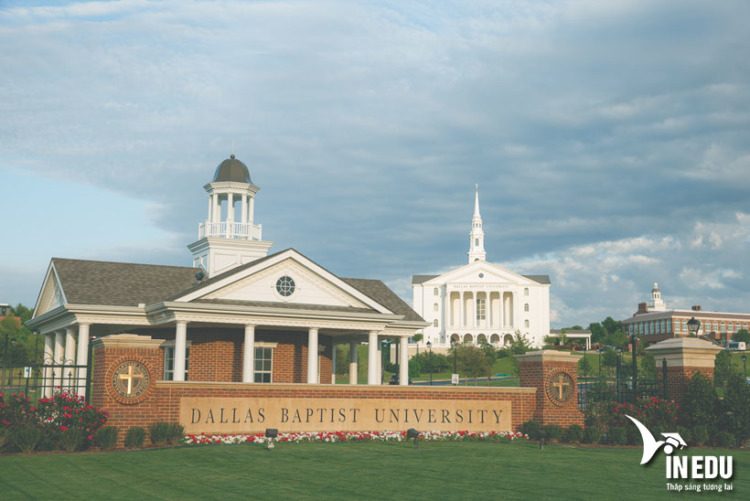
[678, 379]
[547, 411]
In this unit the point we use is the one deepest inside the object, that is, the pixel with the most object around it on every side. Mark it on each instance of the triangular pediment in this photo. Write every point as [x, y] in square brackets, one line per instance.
[51, 295]
[481, 272]
[312, 285]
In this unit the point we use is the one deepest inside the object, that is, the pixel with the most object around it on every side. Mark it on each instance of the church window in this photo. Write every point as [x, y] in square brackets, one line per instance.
[526, 307]
[476, 242]
[723, 328]
[716, 326]
[526, 323]
[481, 309]
[435, 291]
[435, 307]
[285, 286]
[669, 325]
[526, 291]
[169, 362]
[263, 365]
[435, 323]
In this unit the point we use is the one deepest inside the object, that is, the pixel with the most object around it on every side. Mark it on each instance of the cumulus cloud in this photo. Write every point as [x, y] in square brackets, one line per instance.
[608, 138]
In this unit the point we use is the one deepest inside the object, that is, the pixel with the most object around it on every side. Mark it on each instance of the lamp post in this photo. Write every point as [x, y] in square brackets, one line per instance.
[744, 365]
[693, 327]
[453, 345]
[429, 347]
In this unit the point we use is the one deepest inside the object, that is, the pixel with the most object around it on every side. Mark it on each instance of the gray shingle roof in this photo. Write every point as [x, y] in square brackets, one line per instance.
[120, 284]
[420, 279]
[542, 279]
[377, 290]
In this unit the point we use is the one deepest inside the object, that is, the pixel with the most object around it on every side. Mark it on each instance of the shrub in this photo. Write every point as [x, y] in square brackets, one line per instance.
[573, 434]
[4, 437]
[106, 438]
[175, 433]
[135, 437]
[26, 438]
[701, 403]
[70, 439]
[159, 433]
[685, 433]
[532, 429]
[724, 439]
[633, 435]
[617, 436]
[553, 432]
[592, 435]
[699, 435]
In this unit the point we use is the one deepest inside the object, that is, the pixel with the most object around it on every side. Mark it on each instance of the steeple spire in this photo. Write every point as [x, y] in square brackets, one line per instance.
[476, 238]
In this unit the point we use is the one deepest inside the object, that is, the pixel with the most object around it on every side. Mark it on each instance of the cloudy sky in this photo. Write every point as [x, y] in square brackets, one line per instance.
[610, 140]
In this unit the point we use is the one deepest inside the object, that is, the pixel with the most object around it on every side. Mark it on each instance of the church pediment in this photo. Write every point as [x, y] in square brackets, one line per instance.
[287, 278]
[482, 272]
[51, 295]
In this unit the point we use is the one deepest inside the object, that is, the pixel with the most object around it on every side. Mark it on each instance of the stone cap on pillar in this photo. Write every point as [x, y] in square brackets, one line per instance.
[127, 341]
[685, 352]
[549, 356]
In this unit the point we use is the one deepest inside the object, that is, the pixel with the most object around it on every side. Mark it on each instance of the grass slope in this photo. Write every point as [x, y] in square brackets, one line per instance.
[475, 470]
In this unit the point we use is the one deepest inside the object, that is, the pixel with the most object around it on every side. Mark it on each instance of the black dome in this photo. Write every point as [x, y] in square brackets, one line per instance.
[232, 169]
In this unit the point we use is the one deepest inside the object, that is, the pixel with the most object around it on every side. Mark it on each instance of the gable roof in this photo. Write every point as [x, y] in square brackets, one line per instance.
[542, 279]
[129, 284]
[377, 290]
[120, 284]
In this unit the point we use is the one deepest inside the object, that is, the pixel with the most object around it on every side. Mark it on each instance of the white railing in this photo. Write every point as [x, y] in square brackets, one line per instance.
[229, 229]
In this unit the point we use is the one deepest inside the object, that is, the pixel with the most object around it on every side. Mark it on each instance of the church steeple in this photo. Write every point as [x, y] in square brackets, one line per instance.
[476, 238]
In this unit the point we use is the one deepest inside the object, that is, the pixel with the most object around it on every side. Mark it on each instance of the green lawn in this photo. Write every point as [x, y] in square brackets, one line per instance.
[391, 471]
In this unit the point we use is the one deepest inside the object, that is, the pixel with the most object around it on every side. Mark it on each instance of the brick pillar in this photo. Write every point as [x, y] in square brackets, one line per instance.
[685, 356]
[555, 376]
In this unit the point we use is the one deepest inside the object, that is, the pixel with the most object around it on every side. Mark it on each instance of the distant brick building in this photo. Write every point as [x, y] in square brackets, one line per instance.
[656, 323]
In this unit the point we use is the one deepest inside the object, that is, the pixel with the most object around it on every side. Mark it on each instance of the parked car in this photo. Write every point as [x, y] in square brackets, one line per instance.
[736, 346]
[394, 379]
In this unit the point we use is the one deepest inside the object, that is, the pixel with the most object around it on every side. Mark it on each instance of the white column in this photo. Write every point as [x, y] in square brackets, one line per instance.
[217, 208]
[380, 362]
[403, 364]
[49, 355]
[58, 356]
[353, 365]
[210, 208]
[70, 356]
[461, 309]
[372, 358]
[180, 347]
[333, 362]
[230, 214]
[248, 355]
[251, 210]
[312, 356]
[82, 357]
[243, 217]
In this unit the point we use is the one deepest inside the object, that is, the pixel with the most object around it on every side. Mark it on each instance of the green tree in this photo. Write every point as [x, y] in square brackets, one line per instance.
[610, 359]
[701, 403]
[722, 368]
[617, 338]
[742, 336]
[611, 325]
[472, 360]
[648, 366]
[23, 312]
[584, 366]
[736, 406]
[598, 333]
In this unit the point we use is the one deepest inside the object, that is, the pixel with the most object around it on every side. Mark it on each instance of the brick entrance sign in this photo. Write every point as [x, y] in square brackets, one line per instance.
[128, 382]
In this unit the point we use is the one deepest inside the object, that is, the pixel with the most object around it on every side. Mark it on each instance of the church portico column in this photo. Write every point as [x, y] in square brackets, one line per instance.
[403, 364]
[230, 214]
[312, 356]
[353, 363]
[248, 355]
[58, 359]
[180, 347]
[244, 209]
[70, 355]
[372, 358]
[461, 309]
[82, 357]
[49, 354]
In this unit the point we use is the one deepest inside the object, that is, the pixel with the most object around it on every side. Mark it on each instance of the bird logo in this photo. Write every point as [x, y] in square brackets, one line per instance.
[671, 442]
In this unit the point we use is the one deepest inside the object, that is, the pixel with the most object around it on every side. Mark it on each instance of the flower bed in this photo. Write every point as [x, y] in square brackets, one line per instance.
[351, 436]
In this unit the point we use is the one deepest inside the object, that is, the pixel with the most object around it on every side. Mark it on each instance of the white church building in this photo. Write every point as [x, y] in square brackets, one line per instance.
[481, 301]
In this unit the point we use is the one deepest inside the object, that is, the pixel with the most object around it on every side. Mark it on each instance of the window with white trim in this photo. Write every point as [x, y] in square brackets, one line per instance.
[169, 361]
[481, 309]
[263, 365]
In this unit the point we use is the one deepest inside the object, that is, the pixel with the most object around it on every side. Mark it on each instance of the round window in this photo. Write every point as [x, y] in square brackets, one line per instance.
[481, 275]
[285, 286]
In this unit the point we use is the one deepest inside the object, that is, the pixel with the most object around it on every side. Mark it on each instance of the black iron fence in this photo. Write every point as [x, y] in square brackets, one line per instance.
[622, 388]
[44, 380]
